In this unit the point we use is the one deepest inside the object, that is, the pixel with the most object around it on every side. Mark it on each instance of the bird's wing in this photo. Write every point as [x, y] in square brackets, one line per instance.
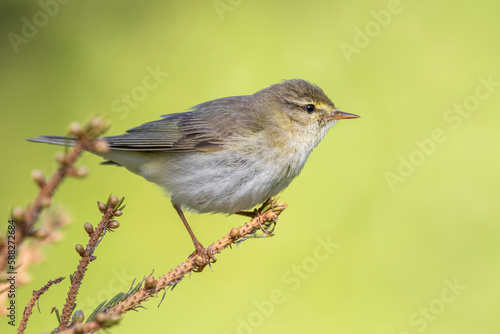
[174, 133]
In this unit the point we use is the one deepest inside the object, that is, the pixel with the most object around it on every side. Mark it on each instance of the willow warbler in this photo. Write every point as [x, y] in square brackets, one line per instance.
[229, 154]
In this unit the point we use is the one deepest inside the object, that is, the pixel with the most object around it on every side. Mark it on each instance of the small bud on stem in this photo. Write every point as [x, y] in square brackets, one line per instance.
[75, 129]
[114, 224]
[38, 177]
[80, 250]
[101, 146]
[88, 228]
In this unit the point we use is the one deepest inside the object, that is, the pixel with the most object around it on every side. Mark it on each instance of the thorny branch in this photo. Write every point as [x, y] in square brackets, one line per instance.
[110, 210]
[86, 139]
[152, 286]
[29, 308]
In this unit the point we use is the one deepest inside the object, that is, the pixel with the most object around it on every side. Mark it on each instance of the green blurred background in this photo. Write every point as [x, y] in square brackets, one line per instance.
[408, 194]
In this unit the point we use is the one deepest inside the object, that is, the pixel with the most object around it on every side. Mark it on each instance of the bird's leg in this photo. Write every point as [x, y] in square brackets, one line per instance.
[269, 202]
[205, 255]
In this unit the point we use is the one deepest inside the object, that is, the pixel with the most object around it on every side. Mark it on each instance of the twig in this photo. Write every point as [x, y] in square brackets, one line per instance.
[29, 308]
[110, 210]
[86, 139]
[152, 287]
[48, 190]
[25, 220]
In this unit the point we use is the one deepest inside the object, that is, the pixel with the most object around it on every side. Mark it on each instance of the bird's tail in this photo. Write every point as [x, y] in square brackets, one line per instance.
[56, 140]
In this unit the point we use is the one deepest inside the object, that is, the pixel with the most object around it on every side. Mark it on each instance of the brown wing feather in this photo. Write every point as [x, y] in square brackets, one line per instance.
[174, 133]
[199, 129]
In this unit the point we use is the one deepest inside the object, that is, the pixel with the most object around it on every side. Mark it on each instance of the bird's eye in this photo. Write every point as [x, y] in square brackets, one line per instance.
[309, 108]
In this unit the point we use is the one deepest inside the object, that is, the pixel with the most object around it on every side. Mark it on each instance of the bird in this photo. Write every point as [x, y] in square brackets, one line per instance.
[227, 155]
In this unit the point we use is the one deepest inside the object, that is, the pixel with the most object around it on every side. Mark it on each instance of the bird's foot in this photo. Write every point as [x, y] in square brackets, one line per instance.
[257, 213]
[203, 256]
[268, 203]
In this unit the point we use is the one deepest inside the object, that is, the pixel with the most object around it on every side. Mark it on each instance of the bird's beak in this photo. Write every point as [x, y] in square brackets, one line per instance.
[342, 115]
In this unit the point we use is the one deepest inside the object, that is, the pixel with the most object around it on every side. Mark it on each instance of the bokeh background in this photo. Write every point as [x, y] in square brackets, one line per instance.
[405, 198]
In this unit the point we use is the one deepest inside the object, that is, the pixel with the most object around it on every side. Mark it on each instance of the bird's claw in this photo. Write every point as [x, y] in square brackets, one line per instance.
[203, 256]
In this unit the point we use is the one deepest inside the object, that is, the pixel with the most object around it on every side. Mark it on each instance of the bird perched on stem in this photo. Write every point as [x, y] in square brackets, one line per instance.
[227, 155]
